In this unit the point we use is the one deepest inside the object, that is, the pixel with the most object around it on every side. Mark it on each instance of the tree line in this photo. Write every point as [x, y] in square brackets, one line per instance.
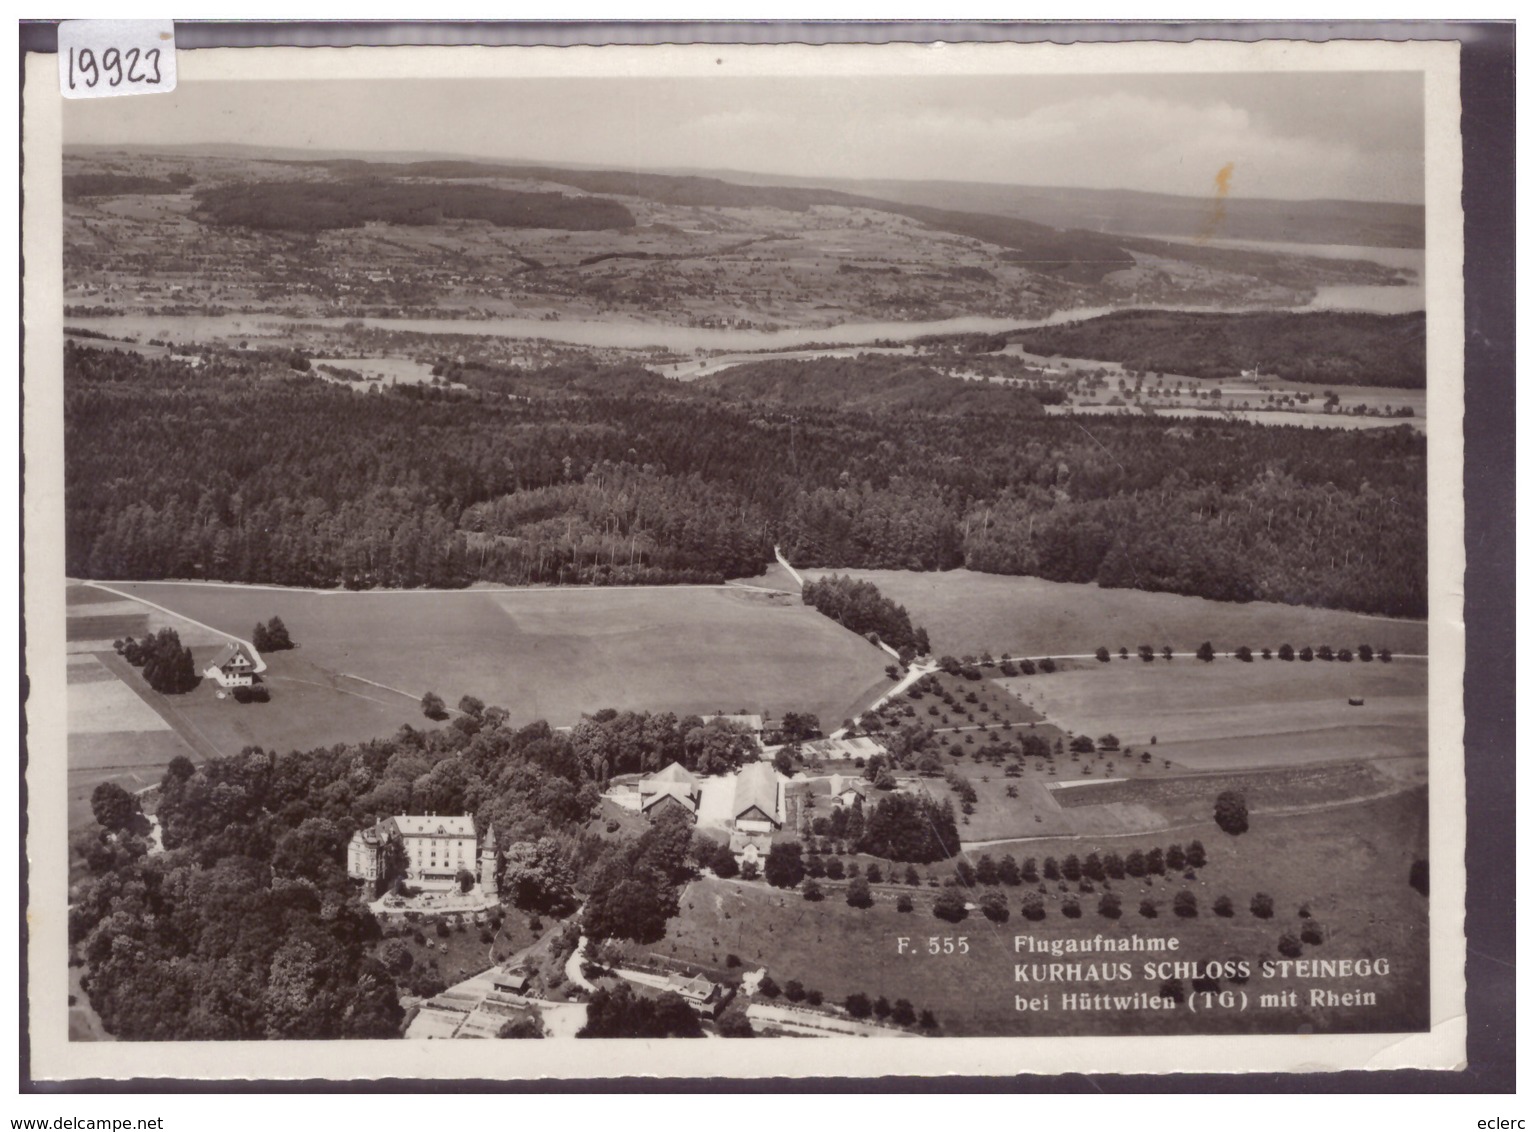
[610, 742]
[166, 662]
[1314, 348]
[859, 606]
[245, 470]
[311, 206]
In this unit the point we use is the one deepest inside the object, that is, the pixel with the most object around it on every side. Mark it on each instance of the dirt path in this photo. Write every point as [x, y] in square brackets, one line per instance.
[784, 562]
[913, 674]
[260, 664]
[573, 967]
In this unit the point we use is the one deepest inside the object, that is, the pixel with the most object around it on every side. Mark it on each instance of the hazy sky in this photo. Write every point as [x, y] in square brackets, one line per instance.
[1296, 136]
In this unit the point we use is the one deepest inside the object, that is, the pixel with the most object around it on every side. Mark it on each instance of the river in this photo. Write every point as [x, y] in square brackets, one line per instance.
[679, 339]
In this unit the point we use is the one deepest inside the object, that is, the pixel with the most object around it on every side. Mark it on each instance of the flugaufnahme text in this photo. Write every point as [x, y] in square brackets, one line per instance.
[1097, 943]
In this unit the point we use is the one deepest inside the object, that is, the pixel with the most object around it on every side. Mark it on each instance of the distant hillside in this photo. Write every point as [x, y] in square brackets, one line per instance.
[1362, 223]
[872, 383]
[1078, 255]
[1320, 348]
[306, 206]
[1381, 224]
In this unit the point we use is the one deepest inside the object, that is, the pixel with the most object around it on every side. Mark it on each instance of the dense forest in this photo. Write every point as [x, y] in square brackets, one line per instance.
[311, 206]
[247, 470]
[1321, 348]
[78, 186]
[247, 926]
[868, 382]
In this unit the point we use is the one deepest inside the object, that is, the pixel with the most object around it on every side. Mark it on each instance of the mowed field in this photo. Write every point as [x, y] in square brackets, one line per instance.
[1230, 715]
[1347, 865]
[551, 654]
[115, 733]
[966, 612]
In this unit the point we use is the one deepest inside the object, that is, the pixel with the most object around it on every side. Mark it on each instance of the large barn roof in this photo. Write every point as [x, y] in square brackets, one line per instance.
[757, 785]
[678, 790]
[674, 772]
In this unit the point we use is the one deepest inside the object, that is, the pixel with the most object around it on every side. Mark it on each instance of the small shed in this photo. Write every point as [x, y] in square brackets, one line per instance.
[512, 982]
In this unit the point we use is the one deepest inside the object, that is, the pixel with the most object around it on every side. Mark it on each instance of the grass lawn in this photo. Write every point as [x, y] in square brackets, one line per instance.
[1348, 865]
[310, 707]
[554, 653]
[1191, 797]
[462, 952]
[774, 577]
[110, 627]
[965, 612]
[1229, 714]
[1034, 813]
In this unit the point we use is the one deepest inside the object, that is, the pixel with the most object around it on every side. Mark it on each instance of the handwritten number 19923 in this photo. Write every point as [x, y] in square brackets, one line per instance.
[114, 66]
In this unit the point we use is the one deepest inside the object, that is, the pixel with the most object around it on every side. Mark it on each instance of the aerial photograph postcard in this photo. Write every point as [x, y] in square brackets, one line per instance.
[728, 551]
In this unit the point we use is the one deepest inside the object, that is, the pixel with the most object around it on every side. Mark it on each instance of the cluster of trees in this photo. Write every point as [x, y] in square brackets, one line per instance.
[537, 876]
[859, 606]
[899, 827]
[247, 926]
[239, 947]
[634, 886]
[314, 206]
[1317, 347]
[166, 662]
[901, 1012]
[1231, 811]
[652, 481]
[621, 1013]
[272, 636]
[610, 743]
[910, 827]
[113, 807]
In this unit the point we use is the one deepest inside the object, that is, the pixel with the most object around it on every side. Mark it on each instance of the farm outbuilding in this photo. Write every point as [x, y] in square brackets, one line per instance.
[756, 801]
[674, 787]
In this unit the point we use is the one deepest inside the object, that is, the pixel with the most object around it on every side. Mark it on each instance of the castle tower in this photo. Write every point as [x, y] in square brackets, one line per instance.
[490, 860]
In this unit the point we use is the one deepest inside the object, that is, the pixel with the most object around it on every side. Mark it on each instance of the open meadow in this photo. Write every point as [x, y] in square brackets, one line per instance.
[966, 612]
[549, 654]
[1347, 866]
[1227, 714]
